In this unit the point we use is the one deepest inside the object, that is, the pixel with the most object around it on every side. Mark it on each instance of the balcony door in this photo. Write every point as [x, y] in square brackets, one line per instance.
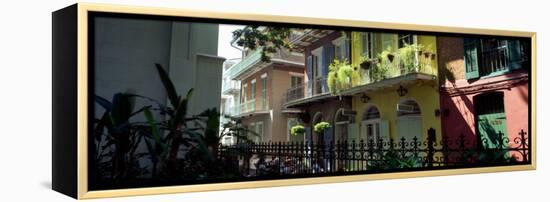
[341, 123]
[491, 120]
[409, 121]
[370, 126]
[318, 76]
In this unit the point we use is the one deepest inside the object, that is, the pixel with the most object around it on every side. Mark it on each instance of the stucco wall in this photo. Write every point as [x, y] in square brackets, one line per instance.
[126, 51]
[278, 81]
[459, 115]
[328, 109]
[426, 95]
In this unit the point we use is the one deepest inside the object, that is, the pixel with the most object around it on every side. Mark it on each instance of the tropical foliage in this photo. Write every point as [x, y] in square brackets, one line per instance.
[269, 39]
[178, 146]
[394, 160]
[341, 76]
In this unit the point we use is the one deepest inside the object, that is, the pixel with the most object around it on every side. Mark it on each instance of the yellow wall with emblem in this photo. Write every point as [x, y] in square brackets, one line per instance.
[425, 93]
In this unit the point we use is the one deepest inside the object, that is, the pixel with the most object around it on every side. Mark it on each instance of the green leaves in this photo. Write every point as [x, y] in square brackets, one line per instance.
[270, 39]
[341, 76]
[297, 129]
[153, 124]
[117, 137]
[321, 127]
[168, 86]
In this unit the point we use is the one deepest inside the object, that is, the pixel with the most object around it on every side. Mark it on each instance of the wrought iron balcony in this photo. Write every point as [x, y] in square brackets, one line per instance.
[245, 64]
[253, 62]
[306, 91]
[377, 69]
[253, 106]
[231, 87]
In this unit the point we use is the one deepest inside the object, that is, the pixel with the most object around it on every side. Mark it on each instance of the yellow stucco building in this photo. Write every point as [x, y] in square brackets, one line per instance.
[397, 92]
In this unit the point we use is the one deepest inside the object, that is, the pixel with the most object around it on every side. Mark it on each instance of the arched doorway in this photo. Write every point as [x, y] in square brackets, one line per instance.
[409, 121]
[316, 137]
[370, 125]
[341, 123]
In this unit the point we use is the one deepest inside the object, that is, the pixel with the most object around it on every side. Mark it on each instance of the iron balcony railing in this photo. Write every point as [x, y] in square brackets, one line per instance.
[231, 86]
[307, 90]
[254, 59]
[371, 71]
[244, 64]
[250, 106]
[395, 65]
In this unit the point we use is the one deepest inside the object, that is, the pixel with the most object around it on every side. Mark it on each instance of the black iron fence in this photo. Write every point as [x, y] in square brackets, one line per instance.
[291, 158]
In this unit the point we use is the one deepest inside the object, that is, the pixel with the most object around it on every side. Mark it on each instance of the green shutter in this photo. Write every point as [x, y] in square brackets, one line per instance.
[515, 57]
[309, 72]
[492, 130]
[471, 53]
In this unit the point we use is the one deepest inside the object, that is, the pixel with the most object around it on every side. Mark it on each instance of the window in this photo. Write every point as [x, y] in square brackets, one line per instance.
[490, 56]
[341, 122]
[494, 56]
[370, 126]
[367, 44]
[341, 48]
[489, 103]
[318, 62]
[403, 39]
[490, 119]
[388, 41]
[291, 122]
[340, 52]
[320, 75]
[253, 89]
[264, 91]
[245, 93]
[260, 131]
[371, 113]
[296, 81]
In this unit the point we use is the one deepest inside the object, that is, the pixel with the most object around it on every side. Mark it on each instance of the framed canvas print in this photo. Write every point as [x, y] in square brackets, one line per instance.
[156, 100]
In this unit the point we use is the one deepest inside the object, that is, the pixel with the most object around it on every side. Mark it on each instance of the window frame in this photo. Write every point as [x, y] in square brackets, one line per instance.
[317, 60]
[339, 48]
[367, 44]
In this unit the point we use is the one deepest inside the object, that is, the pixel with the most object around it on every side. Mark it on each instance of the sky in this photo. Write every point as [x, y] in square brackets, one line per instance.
[224, 38]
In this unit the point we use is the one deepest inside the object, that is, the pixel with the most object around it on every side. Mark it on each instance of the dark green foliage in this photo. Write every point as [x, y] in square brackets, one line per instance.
[269, 39]
[117, 138]
[392, 159]
[180, 146]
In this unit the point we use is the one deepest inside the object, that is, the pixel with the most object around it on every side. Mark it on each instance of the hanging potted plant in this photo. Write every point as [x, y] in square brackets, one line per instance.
[390, 56]
[321, 127]
[341, 76]
[297, 130]
[366, 63]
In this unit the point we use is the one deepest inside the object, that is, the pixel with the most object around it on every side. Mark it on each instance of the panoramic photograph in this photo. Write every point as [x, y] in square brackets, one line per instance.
[181, 102]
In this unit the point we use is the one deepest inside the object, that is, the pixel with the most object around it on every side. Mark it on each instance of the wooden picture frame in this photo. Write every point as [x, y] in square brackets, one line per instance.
[73, 84]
